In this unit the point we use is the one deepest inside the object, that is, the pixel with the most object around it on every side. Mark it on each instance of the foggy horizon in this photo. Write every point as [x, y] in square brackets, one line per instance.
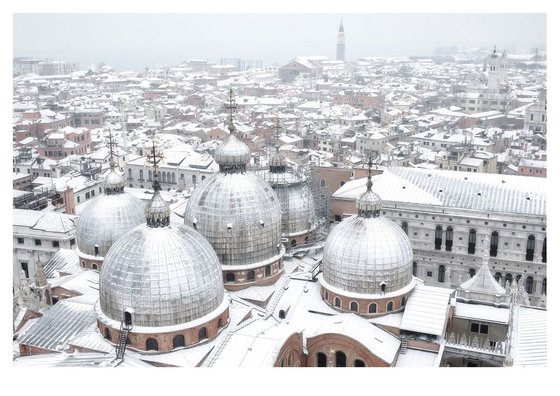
[136, 41]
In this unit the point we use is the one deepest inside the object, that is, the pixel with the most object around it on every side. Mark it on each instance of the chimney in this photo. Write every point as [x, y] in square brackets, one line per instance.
[69, 200]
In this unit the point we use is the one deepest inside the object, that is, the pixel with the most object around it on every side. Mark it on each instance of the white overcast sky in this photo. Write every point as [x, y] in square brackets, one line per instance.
[132, 41]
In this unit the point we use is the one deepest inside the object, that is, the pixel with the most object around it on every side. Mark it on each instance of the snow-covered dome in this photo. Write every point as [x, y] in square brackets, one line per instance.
[237, 211]
[167, 273]
[296, 199]
[240, 215]
[108, 217]
[367, 253]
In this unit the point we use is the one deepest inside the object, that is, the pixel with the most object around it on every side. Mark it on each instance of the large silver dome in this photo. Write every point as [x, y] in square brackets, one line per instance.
[169, 275]
[240, 215]
[296, 199]
[366, 251]
[108, 217]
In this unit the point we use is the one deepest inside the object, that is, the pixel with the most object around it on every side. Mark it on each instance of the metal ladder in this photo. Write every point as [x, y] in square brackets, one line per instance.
[404, 346]
[121, 346]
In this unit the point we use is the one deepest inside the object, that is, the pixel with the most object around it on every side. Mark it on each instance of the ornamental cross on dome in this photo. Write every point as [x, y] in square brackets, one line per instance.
[111, 144]
[153, 158]
[231, 106]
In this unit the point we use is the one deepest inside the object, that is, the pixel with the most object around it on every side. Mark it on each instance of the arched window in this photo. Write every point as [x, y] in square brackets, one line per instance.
[293, 242]
[173, 178]
[178, 341]
[220, 323]
[448, 239]
[354, 306]
[403, 302]
[337, 302]
[372, 308]
[389, 306]
[359, 363]
[530, 248]
[250, 276]
[543, 290]
[404, 226]
[321, 359]
[151, 344]
[164, 178]
[94, 267]
[168, 177]
[494, 244]
[544, 251]
[202, 334]
[149, 175]
[497, 276]
[472, 241]
[517, 277]
[529, 285]
[267, 270]
[282, 314]
[194, 179]
[383, 287]
[472, 271]
[414, 268]
[441, 274]
[230, 277]
[340, 359]
[438, 238]
[509, 279]
[141, 172]
[203, 177]
[107, 334]
[323, 183]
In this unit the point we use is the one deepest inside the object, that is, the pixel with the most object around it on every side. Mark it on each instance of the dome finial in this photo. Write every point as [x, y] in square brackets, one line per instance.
[369, 203]
[157, 210]
[277, 162]
[153, 157]
[111, 143]
[113, 182]
[370, 164]
[231, 106]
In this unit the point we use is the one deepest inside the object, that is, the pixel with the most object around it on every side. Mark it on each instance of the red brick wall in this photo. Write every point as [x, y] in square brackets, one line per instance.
[276, 269]
[291, 353]
[363, 304]
[165, 340]
[329, 344]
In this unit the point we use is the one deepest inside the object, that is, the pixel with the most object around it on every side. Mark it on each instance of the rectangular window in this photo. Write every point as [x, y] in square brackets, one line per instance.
[78, 199]
[532, 116]
[483, 329]
[87, 195]
[20, 241]
[37, 242]
[474, 327]
[72, 242]
[25, 269]
[429, 274]
[55, 244]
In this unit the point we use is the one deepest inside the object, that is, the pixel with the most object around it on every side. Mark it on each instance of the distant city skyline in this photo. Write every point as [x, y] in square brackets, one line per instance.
[136, 41]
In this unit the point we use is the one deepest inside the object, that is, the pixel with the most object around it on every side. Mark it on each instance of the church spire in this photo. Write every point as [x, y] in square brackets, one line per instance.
[340, 43]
